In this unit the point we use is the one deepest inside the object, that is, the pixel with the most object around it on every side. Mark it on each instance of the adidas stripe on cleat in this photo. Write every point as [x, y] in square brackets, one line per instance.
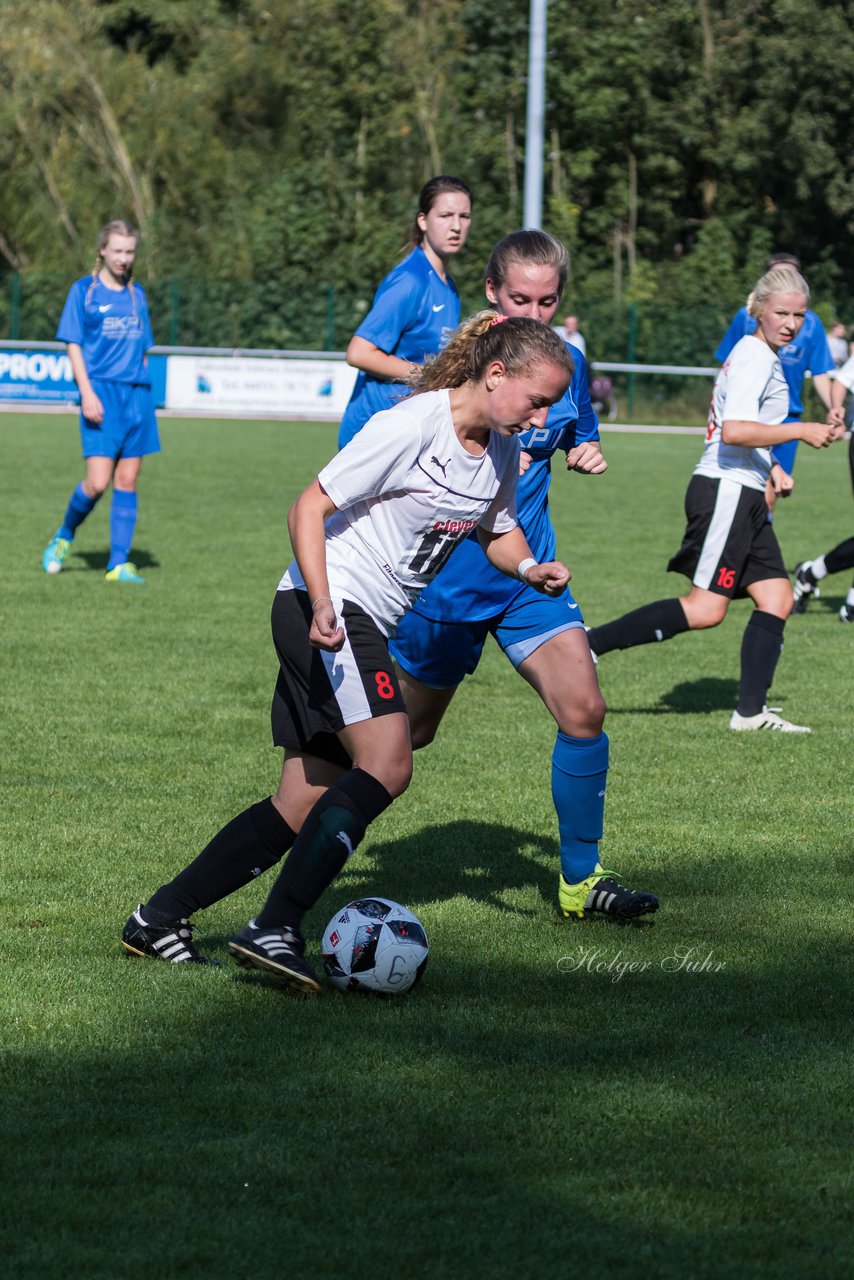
[172, 941]
[804, 587]
[593, 654]
[601, 893]
[278, 952]
[765, 719]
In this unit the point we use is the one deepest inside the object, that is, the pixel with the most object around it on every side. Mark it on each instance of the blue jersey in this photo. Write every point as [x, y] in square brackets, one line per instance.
[808, 351]
[414, 313]
[112, 327]
[469, 588]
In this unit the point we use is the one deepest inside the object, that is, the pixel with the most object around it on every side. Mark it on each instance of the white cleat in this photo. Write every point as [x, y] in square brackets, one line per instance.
[594, 656]
[765, 720]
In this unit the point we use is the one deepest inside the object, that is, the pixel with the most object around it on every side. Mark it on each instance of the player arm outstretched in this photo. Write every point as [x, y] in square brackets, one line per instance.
[510, 553]
[759, 435]
[306, 520]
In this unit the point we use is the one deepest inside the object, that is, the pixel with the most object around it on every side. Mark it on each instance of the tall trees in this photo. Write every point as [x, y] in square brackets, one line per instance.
[283, 141]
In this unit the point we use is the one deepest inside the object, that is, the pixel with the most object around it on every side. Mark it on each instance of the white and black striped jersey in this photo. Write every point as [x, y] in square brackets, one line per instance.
[407, 492]
[750, 387]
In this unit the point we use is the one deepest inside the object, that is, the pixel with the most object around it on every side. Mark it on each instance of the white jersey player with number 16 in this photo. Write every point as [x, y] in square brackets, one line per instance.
[729, 549]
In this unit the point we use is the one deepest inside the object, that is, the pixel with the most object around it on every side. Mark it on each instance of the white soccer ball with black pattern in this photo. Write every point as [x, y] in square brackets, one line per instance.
[374, 945]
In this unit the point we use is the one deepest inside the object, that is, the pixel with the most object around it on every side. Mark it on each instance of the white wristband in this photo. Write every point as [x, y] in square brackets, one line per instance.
[523, 566]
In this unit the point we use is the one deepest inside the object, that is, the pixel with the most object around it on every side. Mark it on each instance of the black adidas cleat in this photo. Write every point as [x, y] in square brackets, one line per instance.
[278, 952]
[846, 613]
[804, 587]
[172, 941]
[602, 894]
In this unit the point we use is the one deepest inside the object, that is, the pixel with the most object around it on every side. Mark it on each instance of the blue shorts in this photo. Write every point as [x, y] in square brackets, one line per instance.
[785, 453]
[442, 654]
[129, 428]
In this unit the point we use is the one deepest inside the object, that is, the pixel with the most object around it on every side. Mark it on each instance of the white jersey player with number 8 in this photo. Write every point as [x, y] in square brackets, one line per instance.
[368, 535]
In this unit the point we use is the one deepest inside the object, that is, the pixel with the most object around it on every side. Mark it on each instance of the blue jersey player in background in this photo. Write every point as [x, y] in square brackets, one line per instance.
[106, 323]
[440, 640]
[808, 352]
[415, 309]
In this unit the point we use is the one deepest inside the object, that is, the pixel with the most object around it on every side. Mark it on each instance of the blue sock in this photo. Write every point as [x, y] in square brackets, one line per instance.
[579, 774]
[78, 509]
[122, 525]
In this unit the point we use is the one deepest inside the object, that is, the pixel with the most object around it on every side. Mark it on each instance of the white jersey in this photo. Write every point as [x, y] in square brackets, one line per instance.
[750, 387]
[407, 492]
[845, 374]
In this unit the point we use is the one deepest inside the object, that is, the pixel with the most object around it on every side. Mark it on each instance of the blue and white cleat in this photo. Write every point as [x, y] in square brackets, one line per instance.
[55, 553]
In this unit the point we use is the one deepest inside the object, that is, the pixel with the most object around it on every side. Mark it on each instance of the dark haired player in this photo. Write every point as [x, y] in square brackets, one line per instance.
[415, 309]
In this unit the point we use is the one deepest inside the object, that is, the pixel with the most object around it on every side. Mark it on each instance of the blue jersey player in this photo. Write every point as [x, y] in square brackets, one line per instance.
[808, 351]
[440, 641]
[415, 310]
[106, 324]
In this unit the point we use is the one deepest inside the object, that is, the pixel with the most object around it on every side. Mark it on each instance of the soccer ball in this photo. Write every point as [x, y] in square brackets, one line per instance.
[374, 945]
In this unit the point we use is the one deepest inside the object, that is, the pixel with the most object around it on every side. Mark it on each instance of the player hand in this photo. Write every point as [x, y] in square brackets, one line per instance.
[550, 578]
[817, 434]
[836, 419]
[525, 461]
[780, 481]
[93, 410]
[587, 458]
[325, 632]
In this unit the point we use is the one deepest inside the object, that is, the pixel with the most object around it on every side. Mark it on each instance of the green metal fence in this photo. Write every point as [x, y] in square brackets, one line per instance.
[294, 312]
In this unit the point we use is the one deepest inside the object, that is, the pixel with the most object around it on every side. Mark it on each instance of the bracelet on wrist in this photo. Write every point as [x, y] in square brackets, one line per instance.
[316, 602]
[523, 566]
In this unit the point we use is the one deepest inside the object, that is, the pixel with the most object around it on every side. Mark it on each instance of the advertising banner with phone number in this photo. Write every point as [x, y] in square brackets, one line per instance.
[246, 385]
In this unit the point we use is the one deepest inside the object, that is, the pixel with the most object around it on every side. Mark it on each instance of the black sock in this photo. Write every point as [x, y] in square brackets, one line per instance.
[841, 557]
[330, 833]
[659, 621]
[761, 646]
[251, 843]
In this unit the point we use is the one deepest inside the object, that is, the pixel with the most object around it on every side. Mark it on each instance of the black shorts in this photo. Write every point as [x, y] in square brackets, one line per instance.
[318, 693]
[729, 542]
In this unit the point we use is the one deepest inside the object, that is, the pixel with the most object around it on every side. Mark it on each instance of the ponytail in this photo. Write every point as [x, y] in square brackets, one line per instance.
[516, 341]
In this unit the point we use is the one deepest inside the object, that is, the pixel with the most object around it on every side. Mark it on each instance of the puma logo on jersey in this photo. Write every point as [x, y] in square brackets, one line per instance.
[441, 307]
[443, 466]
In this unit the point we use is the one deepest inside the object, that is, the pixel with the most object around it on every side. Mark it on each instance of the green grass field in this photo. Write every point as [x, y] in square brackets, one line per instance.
[536, 1107]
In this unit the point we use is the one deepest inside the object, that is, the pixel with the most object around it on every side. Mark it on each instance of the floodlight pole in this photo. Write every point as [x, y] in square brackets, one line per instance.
[536, 114]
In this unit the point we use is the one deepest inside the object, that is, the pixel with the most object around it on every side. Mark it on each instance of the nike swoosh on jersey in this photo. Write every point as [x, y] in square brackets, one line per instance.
[441, 307]
[106, 307]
